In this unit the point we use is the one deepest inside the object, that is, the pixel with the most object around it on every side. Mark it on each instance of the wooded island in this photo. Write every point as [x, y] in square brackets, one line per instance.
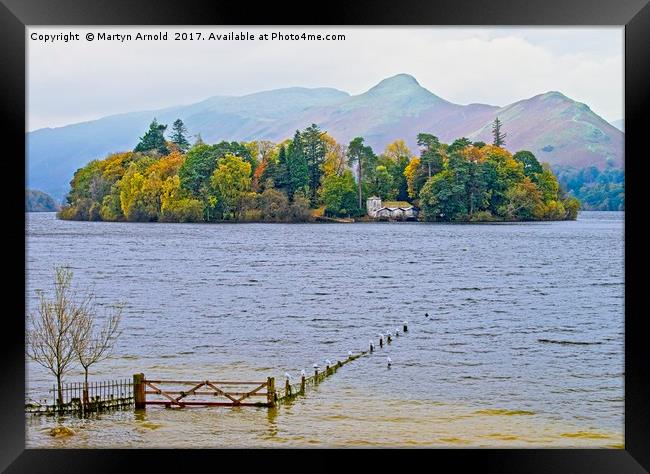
[312, 176]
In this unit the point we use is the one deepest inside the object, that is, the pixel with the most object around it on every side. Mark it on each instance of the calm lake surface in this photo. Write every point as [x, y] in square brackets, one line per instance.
[248, 301]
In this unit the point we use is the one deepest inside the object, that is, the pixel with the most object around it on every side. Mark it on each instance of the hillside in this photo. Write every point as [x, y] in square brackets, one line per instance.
[38, 201]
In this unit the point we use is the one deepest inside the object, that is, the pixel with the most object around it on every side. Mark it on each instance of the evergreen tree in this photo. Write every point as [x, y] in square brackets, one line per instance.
[430, 155]
[457, 145]
[278, 172]
[153, 139]
[178, 135]
[314, 150]
[364, 157]
[499, 138]
[297, 166]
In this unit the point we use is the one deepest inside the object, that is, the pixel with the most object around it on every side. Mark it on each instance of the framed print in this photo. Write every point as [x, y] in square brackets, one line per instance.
[383, 226]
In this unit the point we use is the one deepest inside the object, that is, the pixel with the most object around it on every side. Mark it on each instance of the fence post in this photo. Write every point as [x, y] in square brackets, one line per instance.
[406, 328]
[139, 396]
[287, 388]
[302, 384]
[270, 391]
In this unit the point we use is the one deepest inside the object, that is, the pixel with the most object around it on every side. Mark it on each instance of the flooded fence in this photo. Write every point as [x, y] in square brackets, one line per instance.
[99, 396]
[141, 391]
[176, 394]
[183, 393]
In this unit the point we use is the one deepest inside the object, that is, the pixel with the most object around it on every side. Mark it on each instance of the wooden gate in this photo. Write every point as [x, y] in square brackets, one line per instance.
[182, 393]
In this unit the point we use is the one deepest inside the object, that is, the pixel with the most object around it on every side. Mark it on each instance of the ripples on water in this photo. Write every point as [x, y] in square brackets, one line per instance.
[523, 346]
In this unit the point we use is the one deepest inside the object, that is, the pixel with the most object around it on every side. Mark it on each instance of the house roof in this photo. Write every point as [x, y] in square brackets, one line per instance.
[402, 204]
[392, 209]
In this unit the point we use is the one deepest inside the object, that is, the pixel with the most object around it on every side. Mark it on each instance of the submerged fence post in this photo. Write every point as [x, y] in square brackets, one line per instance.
[270, 391]
[139, 396]
[406, 328]
[302, 384]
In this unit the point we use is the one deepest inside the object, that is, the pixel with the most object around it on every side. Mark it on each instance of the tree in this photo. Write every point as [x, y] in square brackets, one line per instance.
[52, 328]
[297, 168]
[339, 194]
[274, 205]
[140, 195]
[230, 181]
[410, 173]
[334, 157]
[396, 158]
[299, 210]
[383, 183]
[201, 161]
[177, 204]
[499, 139]
[363, 156]
[314, 149]
[178, 135]
[572, 207]
[153, 139]
[93, 343]
[267, 152]
[458, 145]
[532, 167]
[430, 155]
[523, 202]
[276, 172]
[547, 184]
[443, 197]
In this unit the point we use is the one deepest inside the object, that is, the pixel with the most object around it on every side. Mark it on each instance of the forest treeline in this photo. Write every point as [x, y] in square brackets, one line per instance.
[168, 180]
[597, 190]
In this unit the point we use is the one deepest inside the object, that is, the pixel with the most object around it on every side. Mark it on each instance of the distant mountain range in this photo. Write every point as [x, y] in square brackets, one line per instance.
[555, 128]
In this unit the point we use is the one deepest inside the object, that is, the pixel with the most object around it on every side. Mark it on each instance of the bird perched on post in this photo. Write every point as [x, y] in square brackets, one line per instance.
[397, 331]
[303, 373]
[288, 376]
[390, 362]
[328, 362]
[349, 353]
[372, 346]
[315, 366]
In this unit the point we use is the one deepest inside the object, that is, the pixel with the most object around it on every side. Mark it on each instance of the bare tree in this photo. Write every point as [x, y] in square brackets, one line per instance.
[93, 342]
[51, 328]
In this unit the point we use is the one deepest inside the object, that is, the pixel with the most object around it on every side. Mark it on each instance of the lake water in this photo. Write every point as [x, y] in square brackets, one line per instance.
[248, 301]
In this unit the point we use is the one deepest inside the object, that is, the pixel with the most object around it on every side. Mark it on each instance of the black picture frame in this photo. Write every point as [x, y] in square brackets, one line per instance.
[633, 14]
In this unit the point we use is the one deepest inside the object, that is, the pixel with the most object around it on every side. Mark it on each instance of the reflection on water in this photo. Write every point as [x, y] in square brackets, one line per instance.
[523, 346]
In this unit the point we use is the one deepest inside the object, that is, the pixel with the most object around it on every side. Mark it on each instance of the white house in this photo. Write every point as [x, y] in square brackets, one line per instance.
[390, 210]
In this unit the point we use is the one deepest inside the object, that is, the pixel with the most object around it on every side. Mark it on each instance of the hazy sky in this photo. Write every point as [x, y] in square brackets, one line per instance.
[81, 80]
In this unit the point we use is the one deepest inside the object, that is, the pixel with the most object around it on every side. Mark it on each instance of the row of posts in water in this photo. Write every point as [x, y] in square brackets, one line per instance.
[291, 391]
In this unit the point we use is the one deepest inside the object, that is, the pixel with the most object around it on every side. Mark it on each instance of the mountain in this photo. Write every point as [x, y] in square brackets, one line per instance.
[555, 128]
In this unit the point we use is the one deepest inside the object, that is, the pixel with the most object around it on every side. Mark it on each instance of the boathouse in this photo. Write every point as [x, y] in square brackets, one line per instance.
[391, 210]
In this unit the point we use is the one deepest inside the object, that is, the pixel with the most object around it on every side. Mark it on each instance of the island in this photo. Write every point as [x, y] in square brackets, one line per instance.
[311, 177]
